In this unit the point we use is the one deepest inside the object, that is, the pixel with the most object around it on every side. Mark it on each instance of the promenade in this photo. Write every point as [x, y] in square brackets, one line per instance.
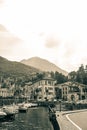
[64, 122]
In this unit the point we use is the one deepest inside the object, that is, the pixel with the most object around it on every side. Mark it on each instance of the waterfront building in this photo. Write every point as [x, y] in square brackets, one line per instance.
[71, 91]
[46, 89]
[41, 90]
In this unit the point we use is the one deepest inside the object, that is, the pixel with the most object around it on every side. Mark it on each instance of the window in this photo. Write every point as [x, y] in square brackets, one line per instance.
[45, 82]
[50, 88]
[66, 89]
[50, 93]
[49, 82]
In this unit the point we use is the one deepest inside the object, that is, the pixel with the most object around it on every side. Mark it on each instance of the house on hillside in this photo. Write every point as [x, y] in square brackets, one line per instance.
[71, 91]
[6, 89]
[27, 90]
[5, 92]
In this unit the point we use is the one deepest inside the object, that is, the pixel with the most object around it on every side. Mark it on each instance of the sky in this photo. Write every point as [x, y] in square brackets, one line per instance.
[55, 30]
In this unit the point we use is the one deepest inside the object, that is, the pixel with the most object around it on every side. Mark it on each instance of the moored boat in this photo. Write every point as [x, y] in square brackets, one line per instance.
[10, 112]
[9, 109]
[23, 108]
[28, 105]
[33, 104]
[2, 114]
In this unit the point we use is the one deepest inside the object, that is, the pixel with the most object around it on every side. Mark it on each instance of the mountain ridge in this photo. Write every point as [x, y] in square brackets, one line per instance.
[14, 67]
[43, 65]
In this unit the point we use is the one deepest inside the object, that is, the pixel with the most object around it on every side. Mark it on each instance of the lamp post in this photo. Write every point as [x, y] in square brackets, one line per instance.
[60, 105]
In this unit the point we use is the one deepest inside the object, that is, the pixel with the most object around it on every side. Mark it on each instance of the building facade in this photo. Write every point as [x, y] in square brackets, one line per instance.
[41, 90]
[5, 92]
[71, 91]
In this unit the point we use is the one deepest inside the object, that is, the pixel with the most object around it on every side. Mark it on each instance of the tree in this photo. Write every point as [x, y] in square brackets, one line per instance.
[60, 78]
[72, 76]
[40, 75]
[52, 74]
[80, 75]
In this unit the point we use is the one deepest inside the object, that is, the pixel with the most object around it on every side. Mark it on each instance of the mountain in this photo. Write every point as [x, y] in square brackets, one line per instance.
[15, 68]
[43, 65]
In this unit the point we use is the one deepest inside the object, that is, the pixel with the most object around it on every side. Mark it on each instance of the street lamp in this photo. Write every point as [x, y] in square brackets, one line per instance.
[60, 104]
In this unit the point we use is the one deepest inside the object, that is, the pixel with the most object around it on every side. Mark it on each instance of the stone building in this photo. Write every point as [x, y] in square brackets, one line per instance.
[71, 91]
[41, 90]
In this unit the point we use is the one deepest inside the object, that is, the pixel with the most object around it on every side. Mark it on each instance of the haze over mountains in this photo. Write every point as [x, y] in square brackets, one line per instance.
[43, 65]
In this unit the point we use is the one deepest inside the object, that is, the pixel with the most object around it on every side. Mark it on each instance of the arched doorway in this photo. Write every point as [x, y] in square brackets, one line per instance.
[72, 97]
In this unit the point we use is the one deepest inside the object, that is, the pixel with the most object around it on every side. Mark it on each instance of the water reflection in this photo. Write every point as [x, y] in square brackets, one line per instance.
[34, 119]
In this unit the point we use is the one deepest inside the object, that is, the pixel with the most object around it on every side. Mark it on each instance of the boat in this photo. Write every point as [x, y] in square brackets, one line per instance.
[2, 115]
[23, 108]
[33, 104]
[9, 109]
[16, 108]
[28, 105]
[10, 112]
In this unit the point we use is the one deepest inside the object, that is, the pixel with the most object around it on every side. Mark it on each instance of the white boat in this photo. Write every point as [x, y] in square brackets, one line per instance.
[23, 108]
[16, 108]
[10, 112]
[9, 109]
[27, 105]
[33, 104]
[2, 114]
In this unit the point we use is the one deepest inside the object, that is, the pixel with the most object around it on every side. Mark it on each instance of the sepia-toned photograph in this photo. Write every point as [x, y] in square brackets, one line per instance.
[43, 65]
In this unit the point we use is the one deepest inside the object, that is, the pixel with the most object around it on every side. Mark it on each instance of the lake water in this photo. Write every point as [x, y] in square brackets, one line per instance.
[33, 119]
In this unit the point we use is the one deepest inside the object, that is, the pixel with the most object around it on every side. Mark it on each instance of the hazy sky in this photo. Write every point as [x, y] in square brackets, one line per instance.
[52, 29]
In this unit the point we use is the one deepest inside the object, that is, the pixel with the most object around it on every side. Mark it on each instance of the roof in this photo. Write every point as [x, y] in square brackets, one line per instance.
[70, 83]
[48, 78]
